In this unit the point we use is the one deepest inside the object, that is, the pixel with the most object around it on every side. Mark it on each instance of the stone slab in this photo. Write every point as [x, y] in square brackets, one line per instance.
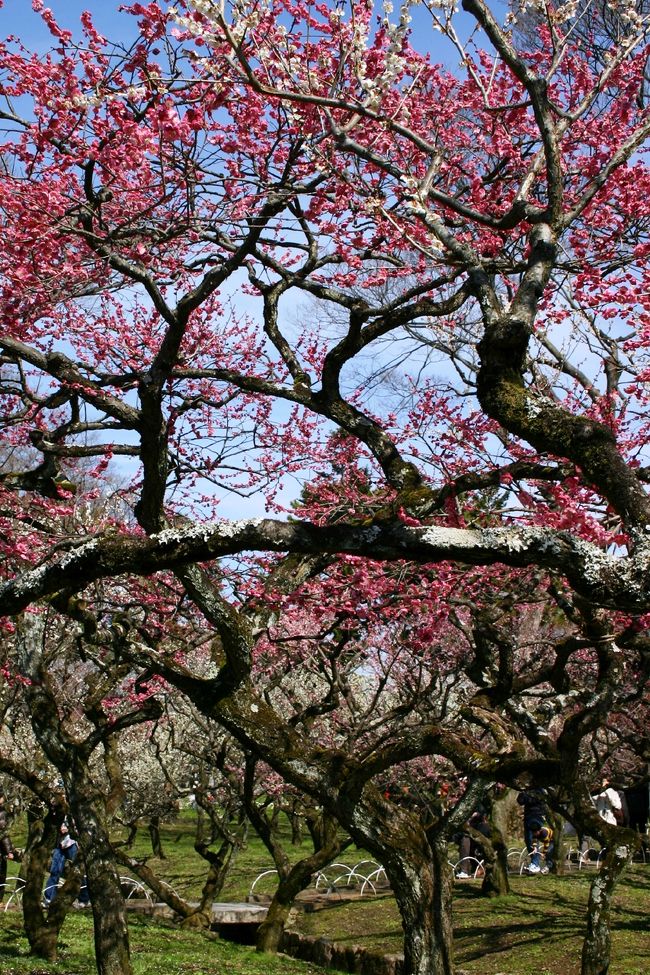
[220, 913]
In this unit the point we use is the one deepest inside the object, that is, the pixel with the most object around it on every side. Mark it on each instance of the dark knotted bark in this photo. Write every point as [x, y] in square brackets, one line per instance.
[41, 927]
[415, 859]
[597, 946]
[109, 910]
[161, 889]
[290, 885]
[154, 836]
[619, 846]
[292, 879]
[559, 844]
[422, 883]
[220, 863]
[87, 806]
[271, 929]
[495, 862]
[193, 915]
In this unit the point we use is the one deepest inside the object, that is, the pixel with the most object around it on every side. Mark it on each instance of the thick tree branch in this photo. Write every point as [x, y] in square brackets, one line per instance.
[622, 583]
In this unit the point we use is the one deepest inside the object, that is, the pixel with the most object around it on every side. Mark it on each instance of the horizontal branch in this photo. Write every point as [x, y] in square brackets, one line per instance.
[621, 583]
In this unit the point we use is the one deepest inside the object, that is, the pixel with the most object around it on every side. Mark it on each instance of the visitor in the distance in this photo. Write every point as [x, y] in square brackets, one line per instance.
[535, 815]
[65, 851]
[7, 851]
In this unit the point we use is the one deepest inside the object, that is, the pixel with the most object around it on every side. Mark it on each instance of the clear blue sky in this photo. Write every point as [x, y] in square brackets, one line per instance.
[18, 18]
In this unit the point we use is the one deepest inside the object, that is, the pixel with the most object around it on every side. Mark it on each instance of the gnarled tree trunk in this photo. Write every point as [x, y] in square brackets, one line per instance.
[220, 864]
[71, 758]
[109, 910]
[41, 927]
[422, 882]
[416, 864]
[271, 929]
[298, 878]
[495, 862]
[596, 948]
[160, 888]
[154, 836]
[291, 878]
[495, 882]
[559, 845]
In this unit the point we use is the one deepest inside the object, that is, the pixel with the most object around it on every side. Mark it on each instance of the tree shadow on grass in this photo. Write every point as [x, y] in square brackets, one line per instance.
[636, 884]
[9, 946]
[639, 922]
[354, 928]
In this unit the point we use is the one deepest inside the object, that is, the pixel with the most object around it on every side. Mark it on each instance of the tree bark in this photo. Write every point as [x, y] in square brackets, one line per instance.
[133, 832]
[109, 910]
[495, 863]
[220, 864]
[416, 868]
[597, 946]
[291, 878]
[559, 843]
[423, 890]
[193, 916]
[41, 929]
[154, 834]
[296, 822]
[161, 890]
[87, 805]
[270, 931]
[298, 878]
[416, 863]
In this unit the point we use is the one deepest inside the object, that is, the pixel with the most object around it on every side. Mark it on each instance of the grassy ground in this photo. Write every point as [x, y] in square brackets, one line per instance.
[153, 949]
[536, 930]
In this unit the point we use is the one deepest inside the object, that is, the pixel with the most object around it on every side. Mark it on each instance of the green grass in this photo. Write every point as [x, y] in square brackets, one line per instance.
[184, 869]
[536, 930]
[165, 951]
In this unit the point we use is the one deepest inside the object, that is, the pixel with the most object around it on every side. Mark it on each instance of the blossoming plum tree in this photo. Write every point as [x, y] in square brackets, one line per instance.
[164, 207]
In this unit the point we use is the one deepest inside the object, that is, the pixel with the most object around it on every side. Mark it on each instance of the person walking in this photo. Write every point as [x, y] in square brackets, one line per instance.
[7, 851]
[543, 838]
[608, 804]
[65, 851]
[535, 815]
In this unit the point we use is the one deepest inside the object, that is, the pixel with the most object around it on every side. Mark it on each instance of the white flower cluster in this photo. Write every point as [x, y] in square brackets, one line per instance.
[409, 182]
[626, 10]
[394, 59]
[566, 11]
[447, 6]
[101, 98]
[520, 7]
[244, 16]
[209, 10]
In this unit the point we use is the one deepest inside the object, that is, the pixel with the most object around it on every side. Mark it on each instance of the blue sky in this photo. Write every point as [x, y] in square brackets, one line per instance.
[18, 18]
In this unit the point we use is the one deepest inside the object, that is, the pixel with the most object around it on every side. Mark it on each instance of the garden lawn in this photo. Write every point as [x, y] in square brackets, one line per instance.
[154, 949]
[536, 930]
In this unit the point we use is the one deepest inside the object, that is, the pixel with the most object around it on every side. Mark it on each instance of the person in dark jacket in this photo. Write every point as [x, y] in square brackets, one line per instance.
[535, 815]
[637, 799]
[65, 851]
[469, 848]
[7, 851]
[543, 837]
